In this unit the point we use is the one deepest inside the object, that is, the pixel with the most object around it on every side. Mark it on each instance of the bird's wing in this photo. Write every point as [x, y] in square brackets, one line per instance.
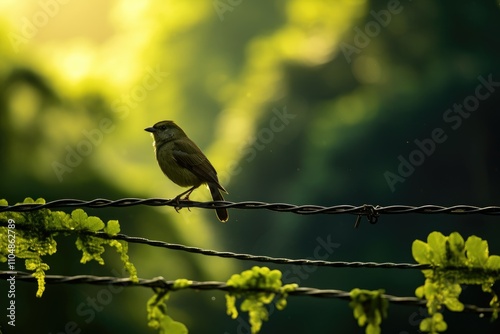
[189, 156]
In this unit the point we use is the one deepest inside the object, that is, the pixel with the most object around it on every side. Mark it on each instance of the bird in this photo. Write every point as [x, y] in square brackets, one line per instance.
[182, 161]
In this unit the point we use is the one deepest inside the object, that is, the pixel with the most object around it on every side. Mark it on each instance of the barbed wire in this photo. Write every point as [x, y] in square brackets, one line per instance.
[160, 282]
[370, 211]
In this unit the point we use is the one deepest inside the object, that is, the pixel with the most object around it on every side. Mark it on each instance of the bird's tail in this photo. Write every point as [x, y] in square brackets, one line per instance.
[217, 196]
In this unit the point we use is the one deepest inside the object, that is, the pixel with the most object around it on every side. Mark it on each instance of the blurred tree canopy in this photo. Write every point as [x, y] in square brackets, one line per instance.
[301, 101]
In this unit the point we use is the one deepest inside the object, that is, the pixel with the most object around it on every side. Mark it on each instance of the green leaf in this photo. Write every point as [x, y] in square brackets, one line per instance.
[373, 329]
[79, 216]
[477, 251]
[420, 292]
[94, 224]
[426, 325]
[84, 222]
[454, 305]
[28, 200]
[437, 244]
[113, 227]
[433, 324]
[456, 246]
[438, 322]
[40, 201]
[61, 221]
[493, 262]
[420, 251]
[170, 326]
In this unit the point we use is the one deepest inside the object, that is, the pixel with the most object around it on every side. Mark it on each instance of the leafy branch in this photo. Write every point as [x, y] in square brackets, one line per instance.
[455, 262]
[255, 302]
[370, 307]
[157, 310]
[35, 233]
[247, 286]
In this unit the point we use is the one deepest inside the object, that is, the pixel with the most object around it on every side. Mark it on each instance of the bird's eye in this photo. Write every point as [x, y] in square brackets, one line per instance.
[163, 127]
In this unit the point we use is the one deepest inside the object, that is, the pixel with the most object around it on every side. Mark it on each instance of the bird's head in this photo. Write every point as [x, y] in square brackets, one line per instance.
[165, 131]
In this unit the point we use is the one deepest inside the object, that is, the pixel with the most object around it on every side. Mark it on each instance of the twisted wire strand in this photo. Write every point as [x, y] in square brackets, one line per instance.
[287, 261]
[260, 258]
[160, 282]
[240, 256]
[264, 258]
[363, 210]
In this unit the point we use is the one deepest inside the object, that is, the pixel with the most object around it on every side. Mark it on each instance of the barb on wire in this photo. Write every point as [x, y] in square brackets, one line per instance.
[368, 210]
[370, 213]
[160, 282]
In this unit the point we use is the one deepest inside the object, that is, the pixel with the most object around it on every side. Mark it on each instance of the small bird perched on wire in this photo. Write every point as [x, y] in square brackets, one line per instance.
[182, 161]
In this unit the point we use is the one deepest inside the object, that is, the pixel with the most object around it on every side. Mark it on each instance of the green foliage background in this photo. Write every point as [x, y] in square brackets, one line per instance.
[224, 77]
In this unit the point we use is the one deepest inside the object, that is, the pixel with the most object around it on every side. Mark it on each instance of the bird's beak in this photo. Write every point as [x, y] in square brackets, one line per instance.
[150, 129]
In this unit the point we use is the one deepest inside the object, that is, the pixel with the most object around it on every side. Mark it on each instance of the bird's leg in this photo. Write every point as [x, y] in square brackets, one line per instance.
[179, 198]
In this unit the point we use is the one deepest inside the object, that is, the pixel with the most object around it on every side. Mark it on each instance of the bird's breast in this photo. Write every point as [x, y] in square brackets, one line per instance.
[169, 166]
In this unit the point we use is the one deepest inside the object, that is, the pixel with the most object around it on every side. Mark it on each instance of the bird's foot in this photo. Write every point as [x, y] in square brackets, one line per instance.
[187, 199]
[178, 200]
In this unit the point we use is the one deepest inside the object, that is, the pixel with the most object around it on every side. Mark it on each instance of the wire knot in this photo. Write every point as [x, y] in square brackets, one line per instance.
[371, 213]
